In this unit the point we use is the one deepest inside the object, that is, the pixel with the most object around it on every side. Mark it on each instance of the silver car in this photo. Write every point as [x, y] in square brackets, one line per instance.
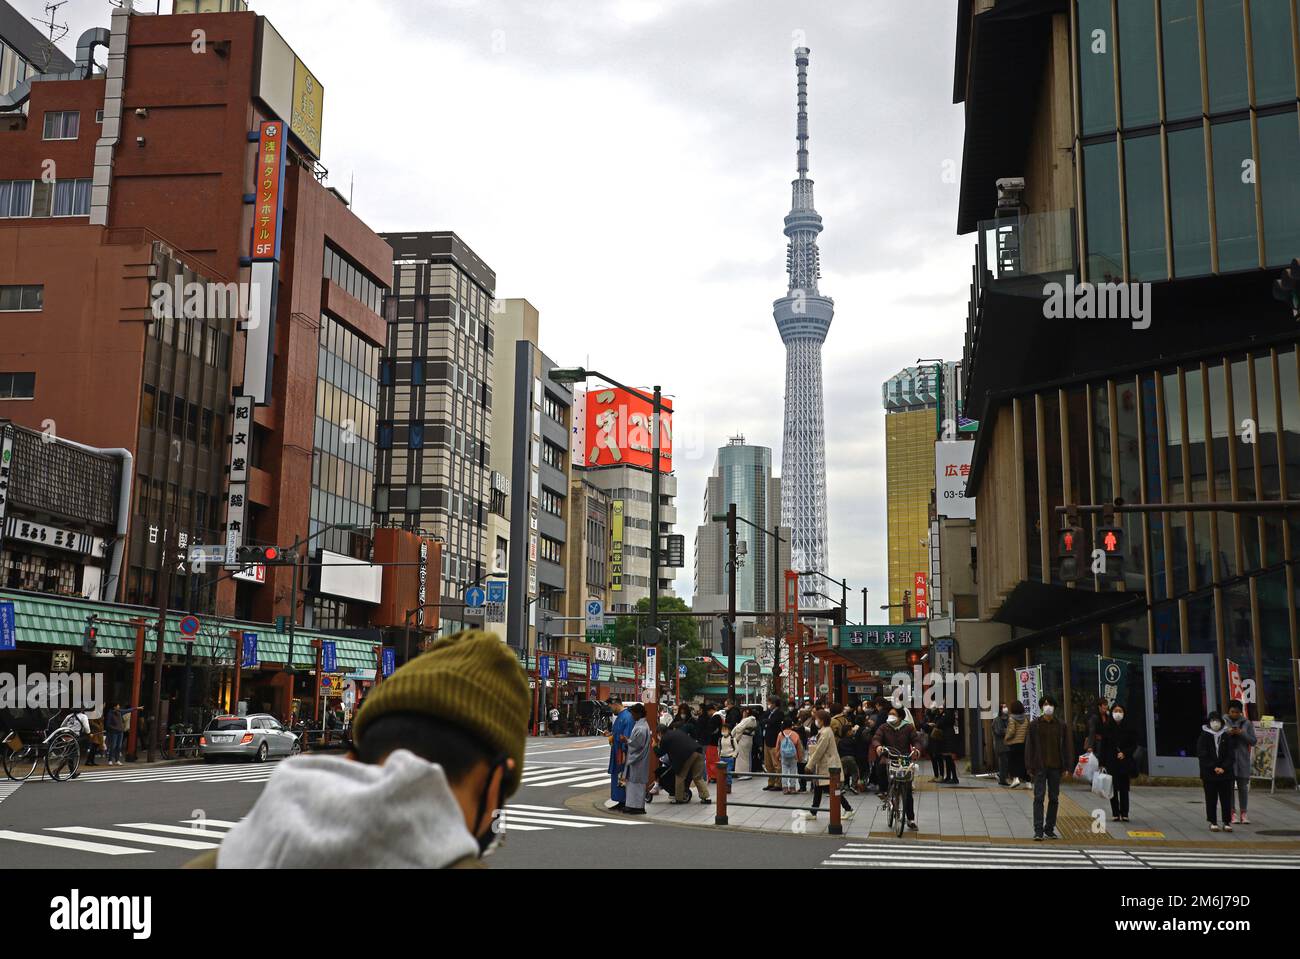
[258, 737]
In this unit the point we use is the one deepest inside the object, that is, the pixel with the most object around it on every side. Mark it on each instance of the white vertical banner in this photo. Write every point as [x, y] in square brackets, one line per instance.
[241, 445]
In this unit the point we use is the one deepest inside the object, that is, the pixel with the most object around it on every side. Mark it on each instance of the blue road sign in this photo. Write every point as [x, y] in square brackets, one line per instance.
[329, 657]
[8, 632]
[250, 651]
[390, 661]
[681, 671]
[476, 597]
[496, 592]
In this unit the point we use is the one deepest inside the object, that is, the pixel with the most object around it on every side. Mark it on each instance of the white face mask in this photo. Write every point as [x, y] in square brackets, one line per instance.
[1215, 725]
[1049, 710]
[1117, 715]
[893, 720]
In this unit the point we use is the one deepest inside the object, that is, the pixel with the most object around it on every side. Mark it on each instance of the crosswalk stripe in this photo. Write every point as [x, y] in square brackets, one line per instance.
[535, 808]
[939, 864]
[133, 837]
[7, 790]
[938, 857]
[557, 779]
[103, 849]
[218, 823]
[177, 830]
[521, 828]
[550, 821]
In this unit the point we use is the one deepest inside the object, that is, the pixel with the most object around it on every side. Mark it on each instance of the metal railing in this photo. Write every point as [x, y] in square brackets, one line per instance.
[720, 817]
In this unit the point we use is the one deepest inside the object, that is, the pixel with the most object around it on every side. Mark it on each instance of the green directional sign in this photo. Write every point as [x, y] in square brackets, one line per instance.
[876, 637]
[601, 636]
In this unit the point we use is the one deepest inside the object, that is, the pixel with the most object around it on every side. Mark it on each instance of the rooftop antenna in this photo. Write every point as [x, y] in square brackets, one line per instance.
[57, 31]
[352, 189]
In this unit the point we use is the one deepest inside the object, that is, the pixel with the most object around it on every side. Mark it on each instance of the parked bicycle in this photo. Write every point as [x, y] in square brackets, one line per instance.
[60, 749]
[902, 771]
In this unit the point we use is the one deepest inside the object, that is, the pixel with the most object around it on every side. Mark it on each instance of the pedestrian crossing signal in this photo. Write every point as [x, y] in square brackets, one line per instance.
[1108, 552]
[90, 638]
[1072, 551]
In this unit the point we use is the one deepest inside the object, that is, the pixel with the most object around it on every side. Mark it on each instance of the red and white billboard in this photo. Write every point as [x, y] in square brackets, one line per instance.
[619, 431]
[921, 596]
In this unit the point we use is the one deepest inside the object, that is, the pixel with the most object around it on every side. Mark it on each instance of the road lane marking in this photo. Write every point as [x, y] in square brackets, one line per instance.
[99, 848]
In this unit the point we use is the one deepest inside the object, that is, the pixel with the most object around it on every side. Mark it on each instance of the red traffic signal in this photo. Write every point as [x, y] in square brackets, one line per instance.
[914, 658]
[1072, 551]
[264, 556]
[1110, 543]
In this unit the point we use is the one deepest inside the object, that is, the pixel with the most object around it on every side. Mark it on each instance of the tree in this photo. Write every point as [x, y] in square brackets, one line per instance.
[682, 630]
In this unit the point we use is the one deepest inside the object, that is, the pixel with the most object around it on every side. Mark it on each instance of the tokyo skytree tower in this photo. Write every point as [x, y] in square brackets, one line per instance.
[804, 318]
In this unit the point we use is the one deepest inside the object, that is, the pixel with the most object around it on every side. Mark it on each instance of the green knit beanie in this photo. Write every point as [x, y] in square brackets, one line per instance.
[471, 680]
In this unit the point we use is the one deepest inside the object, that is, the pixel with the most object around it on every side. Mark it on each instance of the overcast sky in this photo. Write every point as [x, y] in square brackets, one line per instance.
[625, 165]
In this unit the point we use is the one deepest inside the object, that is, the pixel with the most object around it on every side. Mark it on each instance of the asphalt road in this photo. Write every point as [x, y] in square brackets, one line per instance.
[126, 818]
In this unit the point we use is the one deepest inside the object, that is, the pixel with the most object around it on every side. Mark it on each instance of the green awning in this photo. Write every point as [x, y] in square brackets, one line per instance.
[61, 621]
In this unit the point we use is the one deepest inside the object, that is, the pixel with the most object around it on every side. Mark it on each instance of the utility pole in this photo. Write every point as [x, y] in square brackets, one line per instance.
[776, 607]
[655, 449]
[864, 606]
[731, 601]
[164, 599]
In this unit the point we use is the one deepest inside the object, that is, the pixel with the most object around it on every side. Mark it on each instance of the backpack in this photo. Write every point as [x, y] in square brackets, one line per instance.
[787, 748]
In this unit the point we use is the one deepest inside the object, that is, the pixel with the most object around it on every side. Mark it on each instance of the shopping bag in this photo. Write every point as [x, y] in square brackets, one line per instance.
[1103, 784]
[1087, 766]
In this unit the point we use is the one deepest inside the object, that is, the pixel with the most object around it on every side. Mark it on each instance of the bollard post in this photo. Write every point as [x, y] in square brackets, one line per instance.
[720, 815]
[836, 829]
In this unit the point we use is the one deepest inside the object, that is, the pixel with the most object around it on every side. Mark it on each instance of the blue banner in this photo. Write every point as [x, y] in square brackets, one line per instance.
[564, 670]
[595, 671]
[250, 651]
[390, 661]
[8, 631]
[546, 667]
[329, 657]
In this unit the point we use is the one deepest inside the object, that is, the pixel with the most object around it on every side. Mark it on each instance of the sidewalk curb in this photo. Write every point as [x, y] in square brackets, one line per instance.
[584, 801]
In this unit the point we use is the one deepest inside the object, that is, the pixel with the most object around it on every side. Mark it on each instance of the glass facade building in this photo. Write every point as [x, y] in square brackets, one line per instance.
[1181, 119]
[1189, 136]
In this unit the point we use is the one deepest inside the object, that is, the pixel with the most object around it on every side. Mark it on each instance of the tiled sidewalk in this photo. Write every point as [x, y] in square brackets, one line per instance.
[979, 810]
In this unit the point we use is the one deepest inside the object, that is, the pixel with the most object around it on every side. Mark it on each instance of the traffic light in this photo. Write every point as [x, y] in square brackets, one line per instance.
[1072, 551]
[1110, 543]
[264, 556]
[914, 658]
[90, 638]
[1287, 288]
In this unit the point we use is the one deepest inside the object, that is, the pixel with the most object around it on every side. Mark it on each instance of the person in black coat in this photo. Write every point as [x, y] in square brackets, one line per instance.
[1216, 751]
[1115, 741]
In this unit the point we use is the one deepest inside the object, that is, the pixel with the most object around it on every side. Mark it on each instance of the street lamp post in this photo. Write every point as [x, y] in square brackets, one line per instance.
[570, 376]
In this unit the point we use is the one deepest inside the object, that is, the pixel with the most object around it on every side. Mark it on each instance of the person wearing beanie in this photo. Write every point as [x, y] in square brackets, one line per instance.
[438, 747]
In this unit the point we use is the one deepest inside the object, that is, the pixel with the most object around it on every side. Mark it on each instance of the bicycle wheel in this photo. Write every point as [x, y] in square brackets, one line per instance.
[63, 758]
[19, 764]
[901, 823]
[893, 806]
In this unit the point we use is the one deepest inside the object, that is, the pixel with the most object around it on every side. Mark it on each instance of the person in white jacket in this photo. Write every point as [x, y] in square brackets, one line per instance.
[743, 737]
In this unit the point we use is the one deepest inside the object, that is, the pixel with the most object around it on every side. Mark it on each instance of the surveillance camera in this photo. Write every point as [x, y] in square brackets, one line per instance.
[1009, 183]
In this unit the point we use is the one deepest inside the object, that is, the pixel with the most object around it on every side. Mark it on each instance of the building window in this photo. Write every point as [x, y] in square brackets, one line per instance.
[552, 550]
[556, 411]
[22, 299]
[62, 125]
[553, 456]
[17, 386]
[552, 502]
[15, 198]
[72, 198]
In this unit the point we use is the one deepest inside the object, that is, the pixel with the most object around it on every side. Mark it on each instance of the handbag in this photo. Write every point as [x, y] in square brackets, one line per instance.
[1087, 766]
[1103, 784]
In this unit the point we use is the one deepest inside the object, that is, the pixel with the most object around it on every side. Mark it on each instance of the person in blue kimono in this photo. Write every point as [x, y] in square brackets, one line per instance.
[622, 730]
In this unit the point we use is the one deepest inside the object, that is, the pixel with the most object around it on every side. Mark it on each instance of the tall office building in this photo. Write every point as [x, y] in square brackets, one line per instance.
[911, 400]
[742, 474]
[610, 445]
[531, 452]
[804, 318]
[435, 416]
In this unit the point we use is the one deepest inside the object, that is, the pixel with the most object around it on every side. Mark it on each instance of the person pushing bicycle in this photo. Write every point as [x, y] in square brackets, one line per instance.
[895, 739]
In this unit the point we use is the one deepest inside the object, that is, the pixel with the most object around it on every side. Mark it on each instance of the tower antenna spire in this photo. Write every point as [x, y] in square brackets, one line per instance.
[801, 62]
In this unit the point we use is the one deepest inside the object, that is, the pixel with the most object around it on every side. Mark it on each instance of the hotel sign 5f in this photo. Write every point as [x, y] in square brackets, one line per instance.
[268, 210]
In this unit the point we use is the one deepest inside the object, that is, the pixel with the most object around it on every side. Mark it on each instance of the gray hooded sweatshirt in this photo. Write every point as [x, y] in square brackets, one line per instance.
[328, 812]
